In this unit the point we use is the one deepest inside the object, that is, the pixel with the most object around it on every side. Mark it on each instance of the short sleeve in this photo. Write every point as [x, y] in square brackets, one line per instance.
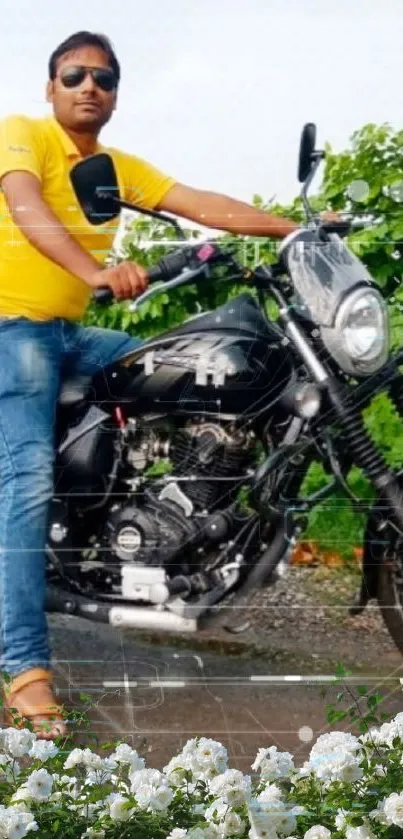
[20, 147]
[143, 184]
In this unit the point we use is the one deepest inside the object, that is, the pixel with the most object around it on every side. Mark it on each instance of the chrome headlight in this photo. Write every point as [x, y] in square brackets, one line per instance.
[359, 340]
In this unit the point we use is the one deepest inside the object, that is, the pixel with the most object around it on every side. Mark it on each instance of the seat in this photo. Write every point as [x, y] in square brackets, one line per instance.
[74, 390]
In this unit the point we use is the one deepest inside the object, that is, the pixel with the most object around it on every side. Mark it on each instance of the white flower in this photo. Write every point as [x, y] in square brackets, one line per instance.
[233, 786]
[176, 769]
[162, 798]
[232, 824]
[21, 795]
[91, 760]
[318, 831]
[378, 814]
[209, 831]
[204, 757]
[361, 832]
[393, 808]
[178, 833]
[273, 764]
[216, 811]
[151, 777]
[39, 785]
[386, 733]
[97, 776]
[340, 819]
[335, 757]
[262, 833]
[18, 742]
[207, 759]
[190, 746]
[270, 793]
[17, 824]
[335, 742]
[126, 755]
[268, 816]
[153, 798]
[74, 759]
[117, 809]
[43, 750]
[9, 768]
[376, 736]
[109, 764]
[151, 789]
[396, 728]
[286, 823]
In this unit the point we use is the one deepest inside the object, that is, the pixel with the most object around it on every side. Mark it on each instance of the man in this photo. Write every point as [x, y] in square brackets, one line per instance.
[48, 270]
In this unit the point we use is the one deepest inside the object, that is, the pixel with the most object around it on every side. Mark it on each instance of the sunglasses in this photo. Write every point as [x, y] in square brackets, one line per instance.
[102, 76]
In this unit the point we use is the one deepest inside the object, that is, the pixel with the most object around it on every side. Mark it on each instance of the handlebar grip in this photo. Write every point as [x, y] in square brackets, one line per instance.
[154, 273]
[103, 295]
[165, 269]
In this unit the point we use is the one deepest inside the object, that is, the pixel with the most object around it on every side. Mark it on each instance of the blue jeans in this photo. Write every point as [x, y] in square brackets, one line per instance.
[35, 357]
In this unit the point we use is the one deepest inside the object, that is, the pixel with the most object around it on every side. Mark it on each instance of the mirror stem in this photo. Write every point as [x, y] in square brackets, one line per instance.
[153, 213]
[315, 166]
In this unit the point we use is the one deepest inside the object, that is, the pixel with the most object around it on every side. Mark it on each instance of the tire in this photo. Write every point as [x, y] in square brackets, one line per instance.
[390, 599]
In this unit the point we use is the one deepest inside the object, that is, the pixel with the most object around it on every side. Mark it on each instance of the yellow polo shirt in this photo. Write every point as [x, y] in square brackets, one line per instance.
[31, 285]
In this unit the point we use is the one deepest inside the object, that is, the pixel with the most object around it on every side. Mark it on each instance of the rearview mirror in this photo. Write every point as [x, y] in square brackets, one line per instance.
[96, 187]
[306, 150]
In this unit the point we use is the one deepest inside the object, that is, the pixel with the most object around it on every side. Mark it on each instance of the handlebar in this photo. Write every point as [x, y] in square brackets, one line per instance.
[105, 295]
[166, 271]
[170, 271]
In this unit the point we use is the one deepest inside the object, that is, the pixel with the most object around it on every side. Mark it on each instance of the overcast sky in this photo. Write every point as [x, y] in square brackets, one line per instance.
[215, 92]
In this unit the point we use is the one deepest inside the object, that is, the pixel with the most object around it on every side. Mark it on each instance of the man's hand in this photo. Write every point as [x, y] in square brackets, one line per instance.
[330, 215]
[126, 280]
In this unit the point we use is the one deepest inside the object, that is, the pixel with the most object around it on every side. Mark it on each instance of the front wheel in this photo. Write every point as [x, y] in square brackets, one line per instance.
[390, 592]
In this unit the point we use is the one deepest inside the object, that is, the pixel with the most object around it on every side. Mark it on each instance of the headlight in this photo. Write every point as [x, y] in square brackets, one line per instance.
[363, 326]
[359, 340]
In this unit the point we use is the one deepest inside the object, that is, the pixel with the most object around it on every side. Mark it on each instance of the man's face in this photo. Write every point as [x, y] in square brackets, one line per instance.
[86, 107]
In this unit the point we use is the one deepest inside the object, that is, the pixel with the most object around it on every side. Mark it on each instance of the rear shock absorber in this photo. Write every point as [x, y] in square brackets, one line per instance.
[364, 451]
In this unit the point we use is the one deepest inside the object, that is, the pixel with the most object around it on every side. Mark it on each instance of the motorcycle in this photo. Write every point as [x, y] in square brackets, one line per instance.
[237, 406]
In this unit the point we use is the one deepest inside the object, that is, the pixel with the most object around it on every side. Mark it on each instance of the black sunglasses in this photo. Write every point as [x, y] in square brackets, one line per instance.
[102, 76]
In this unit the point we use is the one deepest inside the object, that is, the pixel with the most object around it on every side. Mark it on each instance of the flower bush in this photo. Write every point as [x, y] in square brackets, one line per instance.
[351, 787]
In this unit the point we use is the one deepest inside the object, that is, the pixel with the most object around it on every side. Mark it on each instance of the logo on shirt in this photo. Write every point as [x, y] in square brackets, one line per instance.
[19, 148]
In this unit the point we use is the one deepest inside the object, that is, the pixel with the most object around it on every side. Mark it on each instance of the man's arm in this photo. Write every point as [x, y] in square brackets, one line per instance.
[42, 227]
[224, 213]
[44, 231]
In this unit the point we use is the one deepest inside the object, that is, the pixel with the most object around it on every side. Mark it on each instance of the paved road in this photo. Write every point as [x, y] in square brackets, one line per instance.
[156, 696]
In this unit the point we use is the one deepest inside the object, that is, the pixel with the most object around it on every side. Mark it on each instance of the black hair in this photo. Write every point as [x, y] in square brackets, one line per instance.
[84, 39]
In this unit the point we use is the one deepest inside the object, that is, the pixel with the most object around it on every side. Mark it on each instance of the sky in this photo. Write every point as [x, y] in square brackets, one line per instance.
[215, 92]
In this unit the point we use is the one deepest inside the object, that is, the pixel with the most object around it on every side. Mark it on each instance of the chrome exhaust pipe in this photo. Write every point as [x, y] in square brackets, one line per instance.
[130, 617]
[122, 617]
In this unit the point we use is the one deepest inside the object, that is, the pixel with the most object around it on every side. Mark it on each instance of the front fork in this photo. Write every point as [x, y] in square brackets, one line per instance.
[347, 412]
[384, 479]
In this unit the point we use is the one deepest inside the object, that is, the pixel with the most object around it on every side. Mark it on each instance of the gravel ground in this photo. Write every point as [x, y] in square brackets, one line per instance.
[306, 613]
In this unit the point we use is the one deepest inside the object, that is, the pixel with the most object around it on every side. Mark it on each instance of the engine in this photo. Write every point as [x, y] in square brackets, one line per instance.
[210, 455]
[185, 513]
[172, 523]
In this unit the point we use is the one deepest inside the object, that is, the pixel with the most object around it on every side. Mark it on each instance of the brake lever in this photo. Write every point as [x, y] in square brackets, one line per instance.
[184, 277]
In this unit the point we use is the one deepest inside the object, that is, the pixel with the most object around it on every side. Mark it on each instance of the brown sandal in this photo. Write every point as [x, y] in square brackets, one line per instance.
[40, 708]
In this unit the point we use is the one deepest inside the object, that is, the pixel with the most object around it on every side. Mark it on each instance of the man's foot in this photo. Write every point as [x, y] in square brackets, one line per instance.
[32, 696]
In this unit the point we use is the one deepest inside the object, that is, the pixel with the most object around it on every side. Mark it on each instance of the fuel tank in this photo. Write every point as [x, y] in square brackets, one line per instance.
[222, 363]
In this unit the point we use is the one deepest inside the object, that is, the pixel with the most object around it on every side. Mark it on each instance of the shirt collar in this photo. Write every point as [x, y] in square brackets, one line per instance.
[69, 147]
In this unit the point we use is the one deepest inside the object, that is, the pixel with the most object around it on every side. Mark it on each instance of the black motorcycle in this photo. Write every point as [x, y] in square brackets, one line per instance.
[236, 407]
